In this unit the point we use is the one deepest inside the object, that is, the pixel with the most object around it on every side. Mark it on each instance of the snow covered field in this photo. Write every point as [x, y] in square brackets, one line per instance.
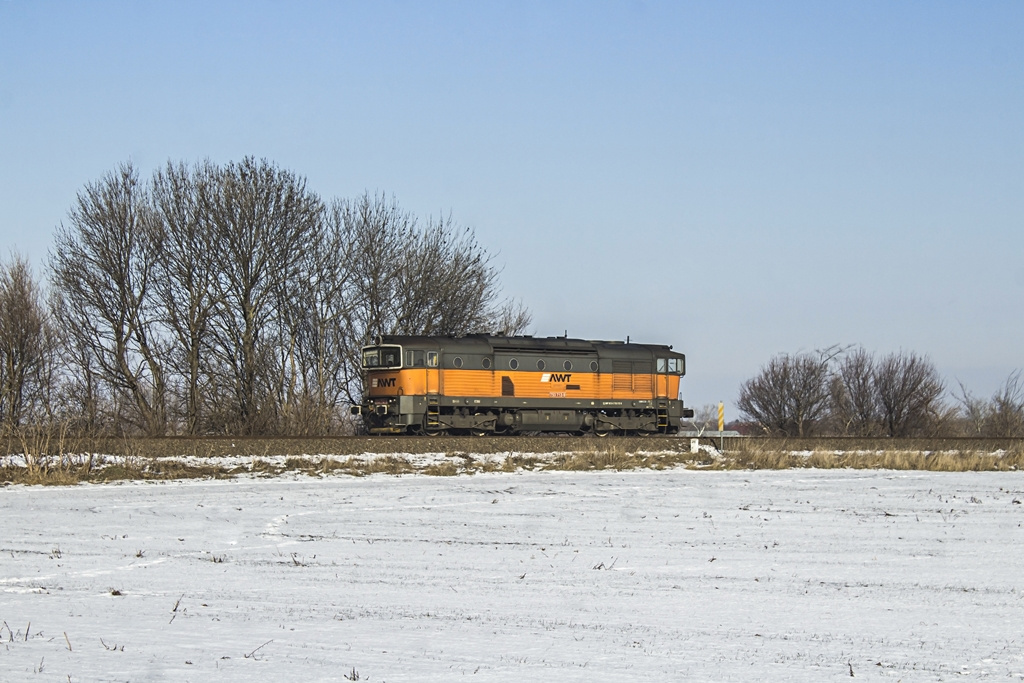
[801, 575]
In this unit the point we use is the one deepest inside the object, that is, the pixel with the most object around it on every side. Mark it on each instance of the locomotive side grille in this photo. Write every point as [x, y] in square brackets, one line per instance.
[622, 379]
[642, 377]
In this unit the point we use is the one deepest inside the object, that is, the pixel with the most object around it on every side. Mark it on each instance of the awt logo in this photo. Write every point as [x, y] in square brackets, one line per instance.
[556, 377]
[382, 382]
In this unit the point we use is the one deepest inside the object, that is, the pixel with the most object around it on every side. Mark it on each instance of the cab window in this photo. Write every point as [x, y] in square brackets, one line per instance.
[415, 359]
[382, 357]
[672, 366]
[371, 358]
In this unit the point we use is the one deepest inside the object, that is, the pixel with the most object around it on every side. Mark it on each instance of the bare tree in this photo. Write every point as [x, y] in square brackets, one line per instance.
[26, 347]
[102, 267]
[974, 412]
[435, 280]
[511, 318]
[854, 398]
[380, 232]
[790, 394]
[909, 394]
[317, 385]
[185, 279]
[264, 220]
[1002, 415]
[82, 398]
[447, 283]
[1007, 415]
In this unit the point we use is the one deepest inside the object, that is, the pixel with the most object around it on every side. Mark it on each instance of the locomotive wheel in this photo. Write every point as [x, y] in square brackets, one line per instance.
[601, 433]
[479, 432]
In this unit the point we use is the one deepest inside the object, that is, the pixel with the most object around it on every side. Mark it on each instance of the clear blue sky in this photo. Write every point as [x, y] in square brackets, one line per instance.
[734, 178]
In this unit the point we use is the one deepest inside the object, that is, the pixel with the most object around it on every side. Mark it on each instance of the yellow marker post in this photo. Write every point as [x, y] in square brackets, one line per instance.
[721, 426]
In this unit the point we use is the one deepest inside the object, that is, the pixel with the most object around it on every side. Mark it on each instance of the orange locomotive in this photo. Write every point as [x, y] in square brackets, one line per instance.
[482, 384]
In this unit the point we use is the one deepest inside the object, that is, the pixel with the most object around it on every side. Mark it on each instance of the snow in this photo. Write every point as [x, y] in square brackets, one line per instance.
[803, 575]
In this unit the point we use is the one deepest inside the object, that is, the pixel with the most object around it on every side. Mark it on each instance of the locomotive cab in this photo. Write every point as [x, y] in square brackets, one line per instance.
[398, 378]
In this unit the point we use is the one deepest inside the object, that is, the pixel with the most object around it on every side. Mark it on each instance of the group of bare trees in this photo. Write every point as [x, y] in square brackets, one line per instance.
[851, 392]
[790, 394]
[1001, 415]
[229, 299]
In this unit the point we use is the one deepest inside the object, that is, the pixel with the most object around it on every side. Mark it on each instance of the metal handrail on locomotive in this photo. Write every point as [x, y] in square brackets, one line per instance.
[483, 384]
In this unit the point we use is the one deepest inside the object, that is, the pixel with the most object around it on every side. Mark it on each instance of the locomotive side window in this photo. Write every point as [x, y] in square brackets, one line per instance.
[457, 362]
[593, 365]
[415, 359]
[486, 362]
[513, 363]
[540, 365]
[431, 359]
[662, 365]
[567, 365]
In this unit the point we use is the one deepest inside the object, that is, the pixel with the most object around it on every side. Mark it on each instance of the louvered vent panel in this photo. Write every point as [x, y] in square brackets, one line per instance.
[642, 378]
[621, 379]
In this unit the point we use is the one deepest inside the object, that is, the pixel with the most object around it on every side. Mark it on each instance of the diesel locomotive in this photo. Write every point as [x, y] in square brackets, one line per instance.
[483, 384]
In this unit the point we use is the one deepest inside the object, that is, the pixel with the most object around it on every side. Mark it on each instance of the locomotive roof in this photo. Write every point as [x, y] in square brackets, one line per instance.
[485, 343]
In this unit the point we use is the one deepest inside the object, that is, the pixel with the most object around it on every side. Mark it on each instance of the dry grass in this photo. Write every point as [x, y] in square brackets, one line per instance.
[136, 460]
[511, 463]
[617, 457]
[82, 469]
[766, 456]
[443, 469]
